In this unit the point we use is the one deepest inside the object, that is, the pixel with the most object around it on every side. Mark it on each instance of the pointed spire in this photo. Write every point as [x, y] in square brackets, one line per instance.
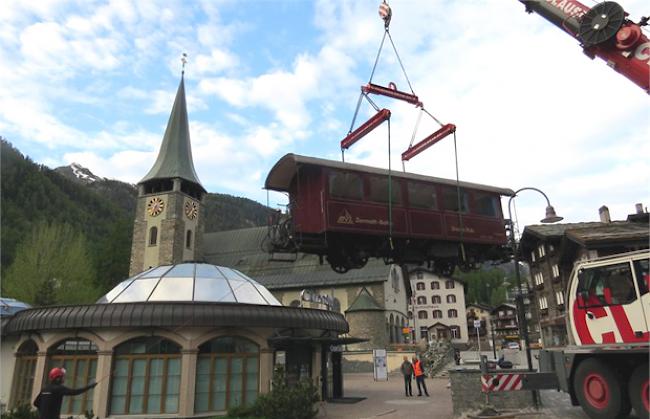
[175, 155]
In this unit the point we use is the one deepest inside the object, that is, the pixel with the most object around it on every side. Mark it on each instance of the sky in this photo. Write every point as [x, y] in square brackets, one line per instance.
[93, 82]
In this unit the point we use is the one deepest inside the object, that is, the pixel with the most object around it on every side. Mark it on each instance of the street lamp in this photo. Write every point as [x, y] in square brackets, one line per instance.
[551, 217]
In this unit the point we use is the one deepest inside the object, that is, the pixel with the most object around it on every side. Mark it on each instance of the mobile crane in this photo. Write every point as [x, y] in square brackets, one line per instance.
[605, 366]
[603, 31]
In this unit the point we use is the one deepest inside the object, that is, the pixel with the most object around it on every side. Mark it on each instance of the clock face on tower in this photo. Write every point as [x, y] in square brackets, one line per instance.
[191, 209]
[155, 206]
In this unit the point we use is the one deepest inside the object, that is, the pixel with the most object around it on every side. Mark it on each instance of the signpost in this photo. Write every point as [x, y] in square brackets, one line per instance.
[477, 326]
[379, 365]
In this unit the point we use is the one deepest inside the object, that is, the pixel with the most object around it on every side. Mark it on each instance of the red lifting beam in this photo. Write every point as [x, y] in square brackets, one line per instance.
[428, 142]
[391, 91]
[365, 128]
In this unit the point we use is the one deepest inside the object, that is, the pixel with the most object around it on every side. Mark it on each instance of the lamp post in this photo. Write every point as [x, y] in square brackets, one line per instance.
[551, 217]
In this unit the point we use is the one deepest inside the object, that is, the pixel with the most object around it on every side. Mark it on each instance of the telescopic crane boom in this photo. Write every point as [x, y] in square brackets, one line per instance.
[603, 31]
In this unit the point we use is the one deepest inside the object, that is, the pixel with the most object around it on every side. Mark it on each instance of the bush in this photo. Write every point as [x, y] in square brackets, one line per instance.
[24, 411]
[287, 402]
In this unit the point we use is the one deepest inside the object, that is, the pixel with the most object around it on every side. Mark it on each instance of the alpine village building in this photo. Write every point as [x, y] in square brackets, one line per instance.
[179, 338]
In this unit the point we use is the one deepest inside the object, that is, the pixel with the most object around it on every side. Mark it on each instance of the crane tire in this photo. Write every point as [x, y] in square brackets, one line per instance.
[639, 390]
[600, 391]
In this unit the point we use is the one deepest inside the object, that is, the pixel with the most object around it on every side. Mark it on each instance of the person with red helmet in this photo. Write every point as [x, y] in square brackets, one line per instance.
[49, 400]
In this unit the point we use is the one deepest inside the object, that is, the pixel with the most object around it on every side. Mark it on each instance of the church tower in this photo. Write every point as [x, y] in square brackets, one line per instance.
[168, 225]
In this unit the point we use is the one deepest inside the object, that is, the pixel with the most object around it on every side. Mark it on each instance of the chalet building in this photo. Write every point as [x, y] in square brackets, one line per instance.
[482, 313]
[437, 307]
[506, 326]
[552, 249]
[178, 338]
[372, 299]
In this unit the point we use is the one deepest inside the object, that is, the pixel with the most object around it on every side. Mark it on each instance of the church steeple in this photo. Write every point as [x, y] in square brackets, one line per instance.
[168, 226]
[175, 155]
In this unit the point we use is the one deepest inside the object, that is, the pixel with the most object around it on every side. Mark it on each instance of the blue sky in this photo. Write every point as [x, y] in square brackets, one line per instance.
[93, 83]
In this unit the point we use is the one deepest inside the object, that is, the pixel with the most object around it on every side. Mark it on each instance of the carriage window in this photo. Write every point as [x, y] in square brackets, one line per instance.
[642, 275]
[379, 190]
[605, 285]
[451, 200]
[422, 196]
[486, 205]
[346, 185]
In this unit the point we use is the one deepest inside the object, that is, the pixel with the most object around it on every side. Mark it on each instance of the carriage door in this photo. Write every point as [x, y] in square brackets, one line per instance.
[607, 307]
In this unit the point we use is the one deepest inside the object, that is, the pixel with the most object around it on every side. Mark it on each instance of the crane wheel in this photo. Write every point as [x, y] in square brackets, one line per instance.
[600, 391]
[639, 390]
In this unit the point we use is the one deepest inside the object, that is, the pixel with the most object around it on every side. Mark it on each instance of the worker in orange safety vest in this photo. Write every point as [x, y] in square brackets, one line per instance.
[419, 376]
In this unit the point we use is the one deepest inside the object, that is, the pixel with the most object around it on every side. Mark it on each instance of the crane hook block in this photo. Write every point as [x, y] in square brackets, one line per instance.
[365, 128]
[391, 92]
[413, 151]
[385, 13]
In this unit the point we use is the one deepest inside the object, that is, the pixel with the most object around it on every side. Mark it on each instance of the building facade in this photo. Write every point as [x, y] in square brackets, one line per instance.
[482, 313]
[551, 251]
[437, 307]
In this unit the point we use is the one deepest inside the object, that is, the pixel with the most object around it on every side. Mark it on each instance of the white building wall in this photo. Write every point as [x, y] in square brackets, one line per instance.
[428, 293]
[7, 363]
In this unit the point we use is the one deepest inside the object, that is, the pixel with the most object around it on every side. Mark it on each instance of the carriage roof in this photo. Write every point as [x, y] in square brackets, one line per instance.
[282, 173]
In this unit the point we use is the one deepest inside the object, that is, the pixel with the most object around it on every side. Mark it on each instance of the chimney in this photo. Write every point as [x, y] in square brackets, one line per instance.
[604, 214]
[639, 208]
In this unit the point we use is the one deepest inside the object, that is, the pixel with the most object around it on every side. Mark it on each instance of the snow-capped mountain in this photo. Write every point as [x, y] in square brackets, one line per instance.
[78, 172]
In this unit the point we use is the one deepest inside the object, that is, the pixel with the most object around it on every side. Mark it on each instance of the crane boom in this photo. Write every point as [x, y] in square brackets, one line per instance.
[603, 31]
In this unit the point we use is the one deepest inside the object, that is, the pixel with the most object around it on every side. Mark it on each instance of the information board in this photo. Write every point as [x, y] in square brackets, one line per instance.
[380, 364]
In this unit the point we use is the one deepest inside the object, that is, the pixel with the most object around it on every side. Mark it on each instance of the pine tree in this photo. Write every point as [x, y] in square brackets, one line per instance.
[52, 266]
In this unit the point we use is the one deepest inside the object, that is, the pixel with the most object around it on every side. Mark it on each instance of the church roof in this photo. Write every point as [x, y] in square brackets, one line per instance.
[241, 249]
[175, 155]
[364, 302]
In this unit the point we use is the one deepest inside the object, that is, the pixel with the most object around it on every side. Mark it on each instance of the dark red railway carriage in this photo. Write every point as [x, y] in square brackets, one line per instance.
[343, 212]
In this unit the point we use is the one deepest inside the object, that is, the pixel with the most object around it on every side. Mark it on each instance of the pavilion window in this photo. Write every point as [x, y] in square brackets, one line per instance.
[227, 374]
[79, 358]
[146, 377]
[24, 370]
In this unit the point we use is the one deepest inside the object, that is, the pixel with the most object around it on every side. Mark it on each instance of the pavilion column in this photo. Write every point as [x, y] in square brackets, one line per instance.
[266, 370]
[103, 377]
[39, 374]
[188, 382]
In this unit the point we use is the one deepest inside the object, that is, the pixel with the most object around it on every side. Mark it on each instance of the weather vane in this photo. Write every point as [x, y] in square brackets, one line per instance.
[184, 61]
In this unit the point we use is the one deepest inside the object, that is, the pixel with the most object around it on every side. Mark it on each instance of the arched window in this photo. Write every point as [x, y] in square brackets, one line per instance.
[188, 239]
[435, 299]
[437, 314]
[452, 313]
[419, 286]
[435, 285]
[79, 358]
[451, 298]
[153, 236]
[410, 314]
[24, 374]
[422, 299]
[391, 323]
[227, 374]
[422, 315]
[449, 284]
[146, 377]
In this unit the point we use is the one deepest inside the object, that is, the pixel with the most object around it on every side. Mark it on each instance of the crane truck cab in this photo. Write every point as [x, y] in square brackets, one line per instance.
[609, 301]
[605, 367]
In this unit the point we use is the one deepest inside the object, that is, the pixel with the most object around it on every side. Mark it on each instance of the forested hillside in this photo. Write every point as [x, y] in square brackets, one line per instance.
[59, 230]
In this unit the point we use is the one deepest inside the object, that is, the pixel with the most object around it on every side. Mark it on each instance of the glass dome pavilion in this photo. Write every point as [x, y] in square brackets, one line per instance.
[197, 282]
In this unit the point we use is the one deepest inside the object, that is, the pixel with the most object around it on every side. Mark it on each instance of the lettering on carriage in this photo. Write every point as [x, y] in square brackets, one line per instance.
[370, 222]
[465, 229]
[345, 218]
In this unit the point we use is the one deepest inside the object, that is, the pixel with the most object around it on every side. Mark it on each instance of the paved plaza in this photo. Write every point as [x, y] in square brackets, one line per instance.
[386, 400]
